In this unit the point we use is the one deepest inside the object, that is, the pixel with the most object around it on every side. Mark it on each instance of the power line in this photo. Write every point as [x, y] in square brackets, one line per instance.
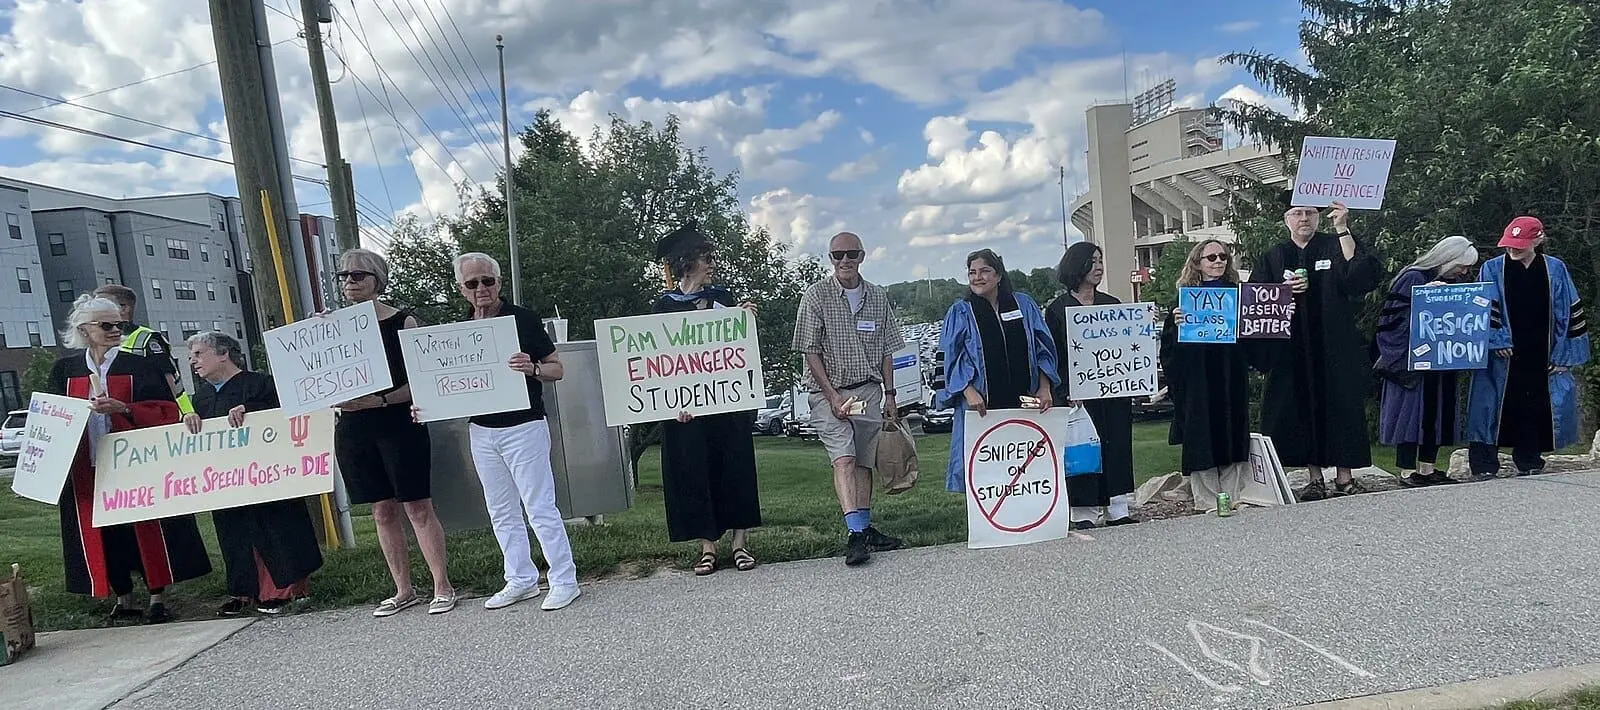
[440, 85]
[474, 95]
[145, 80]
[489, 84]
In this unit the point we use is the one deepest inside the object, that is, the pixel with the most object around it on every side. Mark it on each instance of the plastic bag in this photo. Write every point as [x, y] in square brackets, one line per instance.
[1080, 448]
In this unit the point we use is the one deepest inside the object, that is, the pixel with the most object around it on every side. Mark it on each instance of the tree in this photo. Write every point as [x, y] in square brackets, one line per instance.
[421, 274]
[1162, 289]
[37, 377]
[1495, 108]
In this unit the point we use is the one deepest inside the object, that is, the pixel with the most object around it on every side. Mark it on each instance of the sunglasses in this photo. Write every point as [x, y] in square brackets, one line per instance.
[486, 281]
[1217, 258]
[106, 327]
[843, 254]
[353, 276]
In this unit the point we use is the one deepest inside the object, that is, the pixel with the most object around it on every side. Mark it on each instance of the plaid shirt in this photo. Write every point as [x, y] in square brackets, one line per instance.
[852, 344]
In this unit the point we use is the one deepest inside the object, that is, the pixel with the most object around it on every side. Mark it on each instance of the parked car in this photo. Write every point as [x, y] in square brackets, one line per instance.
[938, 421]
[769, 419]
[13, 432]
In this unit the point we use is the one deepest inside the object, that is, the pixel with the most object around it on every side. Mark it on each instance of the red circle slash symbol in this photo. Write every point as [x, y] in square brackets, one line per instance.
[990, 514]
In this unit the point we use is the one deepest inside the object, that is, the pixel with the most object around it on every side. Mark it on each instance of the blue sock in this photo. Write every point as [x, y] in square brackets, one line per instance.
[866, 517]
[856, 520]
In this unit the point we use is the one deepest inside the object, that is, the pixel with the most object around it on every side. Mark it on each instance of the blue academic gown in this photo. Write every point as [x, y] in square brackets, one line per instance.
[963, 366]
[1569, 348]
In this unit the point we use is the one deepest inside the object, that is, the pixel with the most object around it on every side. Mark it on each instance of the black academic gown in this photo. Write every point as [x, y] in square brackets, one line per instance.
[280, 531]
[1209, 385]
[1113, 418]
[102, 561]
[708, 464]
[1314, 402]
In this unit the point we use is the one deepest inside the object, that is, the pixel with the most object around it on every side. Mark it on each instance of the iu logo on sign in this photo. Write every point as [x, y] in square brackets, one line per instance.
[1015, 478]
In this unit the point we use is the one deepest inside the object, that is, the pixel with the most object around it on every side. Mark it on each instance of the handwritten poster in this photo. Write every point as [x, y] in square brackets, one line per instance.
[1111, 351]
[1016, 480]
[1210, 315]
[1352, 171]
[1450, 327]
[460, 369]
[326, 360]
[1265, 311]
[701, 362]
[165, 471]
[55, 428]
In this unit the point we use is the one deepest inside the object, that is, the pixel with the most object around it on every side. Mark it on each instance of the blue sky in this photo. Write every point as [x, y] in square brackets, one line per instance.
[930, 127]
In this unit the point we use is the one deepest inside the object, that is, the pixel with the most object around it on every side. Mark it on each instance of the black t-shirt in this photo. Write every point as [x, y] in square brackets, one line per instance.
[533, 340]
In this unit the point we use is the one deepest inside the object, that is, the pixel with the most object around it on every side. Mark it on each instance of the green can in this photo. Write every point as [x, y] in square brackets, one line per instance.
[1302, 273]
[1224, 504]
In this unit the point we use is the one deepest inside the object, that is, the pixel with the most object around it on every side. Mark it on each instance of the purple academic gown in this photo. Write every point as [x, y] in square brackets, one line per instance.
[1418, 407]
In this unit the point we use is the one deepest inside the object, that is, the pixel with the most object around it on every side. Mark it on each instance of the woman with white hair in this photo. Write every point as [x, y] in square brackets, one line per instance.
[126, 391]
[384, 456]
[1420, 411]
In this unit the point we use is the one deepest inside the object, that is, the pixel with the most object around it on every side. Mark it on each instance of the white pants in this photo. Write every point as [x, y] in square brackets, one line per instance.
[1205, 485]
[514, 465]
[1098, 515]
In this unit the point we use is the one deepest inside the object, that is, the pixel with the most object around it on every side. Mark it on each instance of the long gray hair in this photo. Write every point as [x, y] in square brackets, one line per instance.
[1449, 253]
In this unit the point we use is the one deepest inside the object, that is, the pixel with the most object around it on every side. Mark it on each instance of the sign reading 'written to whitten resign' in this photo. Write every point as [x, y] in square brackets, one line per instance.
[700, 362]
[329, 359]
[463, 369]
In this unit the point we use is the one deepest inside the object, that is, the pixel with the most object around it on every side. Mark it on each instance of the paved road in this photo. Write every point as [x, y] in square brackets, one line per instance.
[1341, 598]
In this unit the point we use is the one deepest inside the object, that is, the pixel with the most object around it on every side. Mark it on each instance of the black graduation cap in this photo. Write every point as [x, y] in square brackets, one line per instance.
[681, 240]
[1285, 201]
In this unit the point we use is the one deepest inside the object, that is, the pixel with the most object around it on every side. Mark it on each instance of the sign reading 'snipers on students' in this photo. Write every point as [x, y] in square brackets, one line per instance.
[1016, 479]
[1111, 351]
[700, 362]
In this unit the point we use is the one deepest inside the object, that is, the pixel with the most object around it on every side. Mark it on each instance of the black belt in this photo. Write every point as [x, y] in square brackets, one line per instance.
[862, 383]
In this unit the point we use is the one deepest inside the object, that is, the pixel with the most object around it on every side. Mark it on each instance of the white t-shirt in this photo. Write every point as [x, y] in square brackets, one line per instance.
[855, 296]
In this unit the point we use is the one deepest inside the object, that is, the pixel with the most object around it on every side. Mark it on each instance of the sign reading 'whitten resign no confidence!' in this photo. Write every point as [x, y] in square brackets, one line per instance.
[325, 360]
[700, 362]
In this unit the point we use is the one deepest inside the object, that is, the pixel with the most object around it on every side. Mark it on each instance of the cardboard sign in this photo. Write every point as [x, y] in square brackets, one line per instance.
[1352, 171]
[164, 471]
[1016, 479]
[701, 362]
[327, 360]
[460, 369]
[1265, 311]
[1449, 327]
[55, 428]
[1266, 483]
[1111, 351]
[1210, 315]
[16, 617]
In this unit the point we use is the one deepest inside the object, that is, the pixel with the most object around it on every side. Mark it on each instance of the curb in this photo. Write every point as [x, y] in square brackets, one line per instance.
[1478, 694]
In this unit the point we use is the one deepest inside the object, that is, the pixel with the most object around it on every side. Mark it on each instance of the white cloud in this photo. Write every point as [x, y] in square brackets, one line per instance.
[866, 136]
[762, 155]
[1238, 27]
[802, 220]
[863, 167]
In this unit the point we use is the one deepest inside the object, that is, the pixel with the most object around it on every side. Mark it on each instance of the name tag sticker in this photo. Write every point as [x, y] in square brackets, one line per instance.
[866, 326]
[1480, 301]
[1422, 350]
[1011, 315]
[1424, 365]
[1324, 264]
[715, 305]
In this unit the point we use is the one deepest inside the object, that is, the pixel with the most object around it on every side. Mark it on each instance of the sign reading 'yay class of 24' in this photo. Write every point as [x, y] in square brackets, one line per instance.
[322, 361]
[701, 362]
[1111, 351]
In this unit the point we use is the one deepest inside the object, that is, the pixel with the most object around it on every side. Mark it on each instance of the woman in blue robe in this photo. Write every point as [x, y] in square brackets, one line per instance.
[997, 350]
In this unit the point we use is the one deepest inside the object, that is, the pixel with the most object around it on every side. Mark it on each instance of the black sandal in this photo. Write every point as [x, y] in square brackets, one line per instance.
[743, 560]
[706, 565]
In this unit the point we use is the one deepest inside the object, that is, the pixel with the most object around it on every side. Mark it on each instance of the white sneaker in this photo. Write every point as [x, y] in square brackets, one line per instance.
[511, 595]
[560, 597]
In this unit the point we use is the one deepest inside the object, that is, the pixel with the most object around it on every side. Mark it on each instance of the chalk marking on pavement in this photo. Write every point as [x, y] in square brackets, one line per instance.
[1203, 678]
[1080, 536]
[1256, 670]
[1352, 668]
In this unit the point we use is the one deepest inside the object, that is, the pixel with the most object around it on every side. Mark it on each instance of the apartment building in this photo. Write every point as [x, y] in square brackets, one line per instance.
[25, 320]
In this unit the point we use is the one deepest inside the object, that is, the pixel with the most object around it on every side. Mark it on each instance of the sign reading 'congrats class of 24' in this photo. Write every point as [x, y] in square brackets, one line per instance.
[702, 362]
[1210, 315]
[1450, 327]
[1111, 351]
[326, 360]
[55, 426]
[461, 369]
[160, 472]
[1016, 477]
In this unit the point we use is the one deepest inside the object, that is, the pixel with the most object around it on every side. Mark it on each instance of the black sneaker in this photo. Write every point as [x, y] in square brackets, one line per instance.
[857, 549]
[271, 608]
[234, 607]
[158, 614]
[1481, 477]
[1440, 478]
[1083, 525]
[125, 613]
[1416, 480]
[879, 542]
[1121, 521]
[1531, 472]
[1315, 490]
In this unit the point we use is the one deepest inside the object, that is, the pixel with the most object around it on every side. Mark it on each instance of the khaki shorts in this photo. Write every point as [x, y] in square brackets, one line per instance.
[856, 436]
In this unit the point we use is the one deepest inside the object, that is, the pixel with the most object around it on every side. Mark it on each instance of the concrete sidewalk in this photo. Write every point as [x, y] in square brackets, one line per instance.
[93, 668]
[1268, 609]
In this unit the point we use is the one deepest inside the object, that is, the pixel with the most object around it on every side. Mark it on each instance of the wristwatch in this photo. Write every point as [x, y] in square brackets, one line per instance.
[536, 369]
[889, 392]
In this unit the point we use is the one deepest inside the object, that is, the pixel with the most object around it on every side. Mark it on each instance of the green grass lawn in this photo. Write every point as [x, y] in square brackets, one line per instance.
[1586, 699]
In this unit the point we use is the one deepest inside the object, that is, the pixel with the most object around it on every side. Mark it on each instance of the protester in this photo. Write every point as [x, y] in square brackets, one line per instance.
[847, 331]
[144, 341]
[1104, 496]
[1527, 399]
[708, 462]
[1313, 404]
[384, 455]
[126, 392]
[268, 549]
[1420, 412]
[1209, 384]
[997, 350]
[511, 450]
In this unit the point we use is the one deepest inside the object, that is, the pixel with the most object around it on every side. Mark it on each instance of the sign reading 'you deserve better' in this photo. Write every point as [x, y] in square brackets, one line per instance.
[701, 362]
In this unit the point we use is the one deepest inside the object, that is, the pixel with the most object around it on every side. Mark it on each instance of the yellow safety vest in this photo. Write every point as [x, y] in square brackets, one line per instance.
[143, 341]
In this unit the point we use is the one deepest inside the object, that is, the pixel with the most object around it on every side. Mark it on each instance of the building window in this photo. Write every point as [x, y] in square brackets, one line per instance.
[2, 335]
[177, 249]
[183, 290]
[10, 392]
[233, 294]
[33, 335]
[227, 257]
[216, 325]
[222, 222]
[211, 292]
[64, 291]
[189, 327]
[14, 225]
[110, 280]
[155, 288]
[58, 244]
[24, 281]
[163, 327]
[238, 330]
[105, 243]
[149, 246]
[205, 254]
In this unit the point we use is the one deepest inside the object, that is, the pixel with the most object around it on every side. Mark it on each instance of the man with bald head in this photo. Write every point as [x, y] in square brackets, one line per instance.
[848, 333]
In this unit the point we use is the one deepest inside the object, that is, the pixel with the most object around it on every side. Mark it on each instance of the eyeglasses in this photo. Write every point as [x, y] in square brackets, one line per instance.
[353, 276]
[1217, 258]
[843, 254]
[107, 327]
[486, 281]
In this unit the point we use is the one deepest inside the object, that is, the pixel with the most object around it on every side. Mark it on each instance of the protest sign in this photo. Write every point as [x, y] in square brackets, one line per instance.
[1450, 327]
[461, 369]
[1210, 315]
[1016, 478]
[1265, 311]
[1266, 483]
[164, 471]
[701, 362]
[326, 360]
[1111, 351]
[55, 427]
[1351, 171]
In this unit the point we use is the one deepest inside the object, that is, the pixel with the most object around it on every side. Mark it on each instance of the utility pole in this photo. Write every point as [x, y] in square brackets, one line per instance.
[340, 189]
[511, 202]
[280, 147]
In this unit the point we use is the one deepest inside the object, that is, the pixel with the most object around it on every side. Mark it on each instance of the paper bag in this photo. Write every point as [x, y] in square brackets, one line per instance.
[16, 618]
[897, 458]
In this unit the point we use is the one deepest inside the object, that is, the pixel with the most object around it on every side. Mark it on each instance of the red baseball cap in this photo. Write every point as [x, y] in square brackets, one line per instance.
[1522, 233]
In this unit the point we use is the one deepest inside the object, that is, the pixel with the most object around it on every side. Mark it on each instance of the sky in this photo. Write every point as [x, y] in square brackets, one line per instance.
[929, 127]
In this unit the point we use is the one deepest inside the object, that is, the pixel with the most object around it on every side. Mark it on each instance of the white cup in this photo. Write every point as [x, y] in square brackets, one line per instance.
[557, 328]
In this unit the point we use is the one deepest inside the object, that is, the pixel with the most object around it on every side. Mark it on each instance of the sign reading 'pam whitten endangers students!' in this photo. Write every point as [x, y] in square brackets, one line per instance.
[700, 362]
